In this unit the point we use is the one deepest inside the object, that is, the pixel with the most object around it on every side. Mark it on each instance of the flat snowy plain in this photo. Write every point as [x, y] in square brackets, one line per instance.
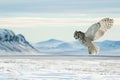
[59, 68]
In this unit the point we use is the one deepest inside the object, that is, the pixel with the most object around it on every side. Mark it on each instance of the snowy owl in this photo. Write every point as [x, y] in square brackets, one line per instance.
[96, 31]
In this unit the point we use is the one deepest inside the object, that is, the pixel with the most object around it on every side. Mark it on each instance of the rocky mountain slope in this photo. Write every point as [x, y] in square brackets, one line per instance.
[10, 42]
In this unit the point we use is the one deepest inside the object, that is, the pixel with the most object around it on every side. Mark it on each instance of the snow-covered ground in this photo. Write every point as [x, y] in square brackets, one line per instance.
[65, 69]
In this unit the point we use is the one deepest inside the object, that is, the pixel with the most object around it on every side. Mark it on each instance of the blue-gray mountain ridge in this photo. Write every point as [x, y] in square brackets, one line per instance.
[58, 46]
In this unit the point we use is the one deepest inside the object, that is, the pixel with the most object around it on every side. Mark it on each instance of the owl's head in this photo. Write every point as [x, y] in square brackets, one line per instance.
[78, 35]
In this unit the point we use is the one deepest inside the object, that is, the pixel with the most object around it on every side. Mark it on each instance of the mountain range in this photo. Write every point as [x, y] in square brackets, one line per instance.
[57, 46]
[10, 42]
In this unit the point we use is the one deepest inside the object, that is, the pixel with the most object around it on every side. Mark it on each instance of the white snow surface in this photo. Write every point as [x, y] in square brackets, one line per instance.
[68, 69]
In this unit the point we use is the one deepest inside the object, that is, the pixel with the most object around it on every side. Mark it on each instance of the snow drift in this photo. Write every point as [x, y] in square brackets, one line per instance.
[59, 69]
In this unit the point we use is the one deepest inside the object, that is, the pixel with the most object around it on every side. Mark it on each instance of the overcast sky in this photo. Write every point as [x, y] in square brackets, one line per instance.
[44, 19]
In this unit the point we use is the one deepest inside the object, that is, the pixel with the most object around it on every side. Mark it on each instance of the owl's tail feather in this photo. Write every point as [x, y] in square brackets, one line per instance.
[93, 49]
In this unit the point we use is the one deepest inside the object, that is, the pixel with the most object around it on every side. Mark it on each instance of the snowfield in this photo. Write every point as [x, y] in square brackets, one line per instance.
[65, 69]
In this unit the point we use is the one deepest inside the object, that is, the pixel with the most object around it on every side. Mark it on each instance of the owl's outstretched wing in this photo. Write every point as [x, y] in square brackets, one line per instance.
[98, 29]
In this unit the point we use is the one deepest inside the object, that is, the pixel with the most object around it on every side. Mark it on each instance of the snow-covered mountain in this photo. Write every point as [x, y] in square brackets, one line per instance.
[105, 45]
[10, 42]
[57, 46]
[51, 43]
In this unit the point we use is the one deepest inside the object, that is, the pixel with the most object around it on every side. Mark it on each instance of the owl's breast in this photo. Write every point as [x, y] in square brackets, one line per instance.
[86, 42]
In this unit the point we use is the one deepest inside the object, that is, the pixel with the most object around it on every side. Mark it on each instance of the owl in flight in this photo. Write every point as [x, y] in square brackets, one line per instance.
[93, 33]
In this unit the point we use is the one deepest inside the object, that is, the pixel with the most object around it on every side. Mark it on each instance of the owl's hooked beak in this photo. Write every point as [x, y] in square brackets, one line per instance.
[75, 37]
